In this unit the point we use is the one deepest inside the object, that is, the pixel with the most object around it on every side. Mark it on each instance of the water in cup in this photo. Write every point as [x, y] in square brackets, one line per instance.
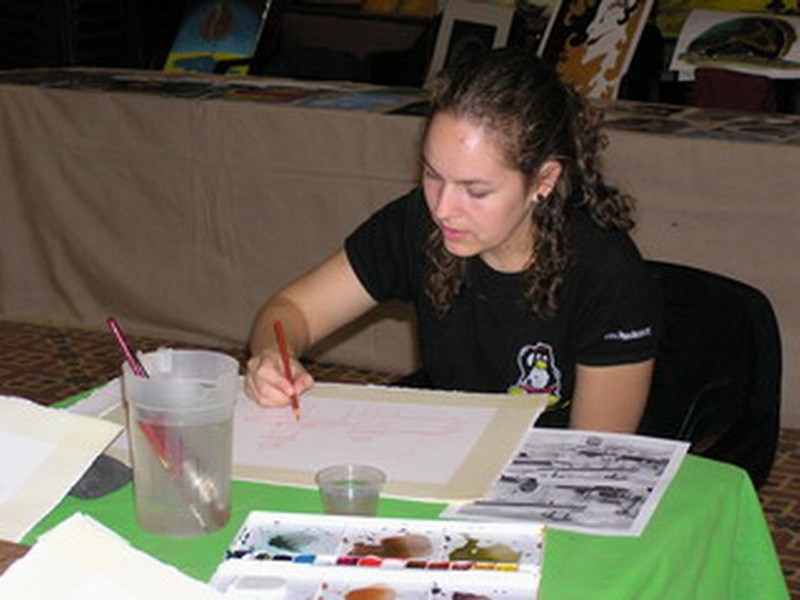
[350, 489]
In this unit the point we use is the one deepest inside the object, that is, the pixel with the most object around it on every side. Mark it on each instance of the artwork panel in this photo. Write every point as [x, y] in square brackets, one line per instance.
[592, 42]
[469, 27]
[754, 44]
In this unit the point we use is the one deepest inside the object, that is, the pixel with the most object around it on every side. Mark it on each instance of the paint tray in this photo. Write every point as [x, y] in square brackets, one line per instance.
[292, 556]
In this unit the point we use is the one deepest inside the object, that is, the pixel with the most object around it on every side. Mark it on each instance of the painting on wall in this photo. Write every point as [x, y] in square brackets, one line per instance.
[752, 43]
[591, 42]
[469, 28]
[214, 31]
[672, 14]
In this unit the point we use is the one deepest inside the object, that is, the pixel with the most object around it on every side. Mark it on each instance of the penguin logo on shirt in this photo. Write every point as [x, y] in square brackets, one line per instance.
[538, 372]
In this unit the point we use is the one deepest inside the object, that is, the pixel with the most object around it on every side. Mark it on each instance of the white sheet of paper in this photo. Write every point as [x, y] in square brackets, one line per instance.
[22, 456]
[45, 451]
[432, 444]
[80, 559]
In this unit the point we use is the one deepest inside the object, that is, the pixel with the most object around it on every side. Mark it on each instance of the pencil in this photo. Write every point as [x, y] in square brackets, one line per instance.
[287, 367]
[133, 361]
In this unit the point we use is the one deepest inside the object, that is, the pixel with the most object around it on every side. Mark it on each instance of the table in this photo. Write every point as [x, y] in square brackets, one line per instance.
[180, 215]
[708, 539]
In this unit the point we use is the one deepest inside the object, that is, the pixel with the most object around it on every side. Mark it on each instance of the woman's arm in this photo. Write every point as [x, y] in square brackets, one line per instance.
[310, 308]
[610, 398]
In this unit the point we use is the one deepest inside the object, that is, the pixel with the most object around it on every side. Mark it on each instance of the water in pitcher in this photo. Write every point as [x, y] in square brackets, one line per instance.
[182, 479]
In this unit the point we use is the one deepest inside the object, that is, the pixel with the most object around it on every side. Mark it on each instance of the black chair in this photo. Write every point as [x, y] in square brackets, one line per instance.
[717, 380]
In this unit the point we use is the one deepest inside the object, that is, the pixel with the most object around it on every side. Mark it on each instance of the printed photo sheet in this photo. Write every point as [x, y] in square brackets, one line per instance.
[607, 484]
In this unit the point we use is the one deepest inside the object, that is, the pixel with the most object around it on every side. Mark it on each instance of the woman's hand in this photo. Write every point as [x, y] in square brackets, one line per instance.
[309, 309]
[266, 383]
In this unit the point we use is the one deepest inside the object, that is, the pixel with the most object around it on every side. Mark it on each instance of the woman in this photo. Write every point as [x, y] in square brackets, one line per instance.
[514, 254]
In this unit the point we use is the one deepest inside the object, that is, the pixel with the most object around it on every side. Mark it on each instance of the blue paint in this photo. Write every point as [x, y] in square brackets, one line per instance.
[308, 559]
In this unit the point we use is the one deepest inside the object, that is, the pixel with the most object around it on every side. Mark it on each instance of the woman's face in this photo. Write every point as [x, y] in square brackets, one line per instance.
[481, 204]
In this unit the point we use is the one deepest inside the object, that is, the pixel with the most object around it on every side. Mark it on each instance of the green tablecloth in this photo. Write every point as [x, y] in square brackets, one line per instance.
[707, 540]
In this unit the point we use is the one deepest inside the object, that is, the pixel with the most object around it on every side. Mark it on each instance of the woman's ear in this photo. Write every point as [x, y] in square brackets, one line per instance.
[546, 179]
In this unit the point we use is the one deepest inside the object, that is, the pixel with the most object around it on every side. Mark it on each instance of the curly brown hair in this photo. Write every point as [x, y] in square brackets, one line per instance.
[535, 118]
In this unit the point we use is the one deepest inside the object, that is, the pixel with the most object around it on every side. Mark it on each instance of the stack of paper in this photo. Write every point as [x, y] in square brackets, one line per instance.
[45, 451]
[82, 560]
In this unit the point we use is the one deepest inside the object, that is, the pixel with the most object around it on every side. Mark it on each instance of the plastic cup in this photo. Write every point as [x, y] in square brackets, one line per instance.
[180, 430]
[350, 489]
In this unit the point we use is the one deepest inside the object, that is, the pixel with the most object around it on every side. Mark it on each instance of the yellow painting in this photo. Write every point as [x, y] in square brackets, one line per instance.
[592, 42]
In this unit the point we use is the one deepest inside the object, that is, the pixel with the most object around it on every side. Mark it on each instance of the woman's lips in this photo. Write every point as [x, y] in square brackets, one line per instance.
[450, 233]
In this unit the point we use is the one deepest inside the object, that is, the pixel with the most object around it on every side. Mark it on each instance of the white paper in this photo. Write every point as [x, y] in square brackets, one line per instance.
[602, 483]
[101, 401]
[22, 456]
[45, 451]
[399, 438]
[80, 559]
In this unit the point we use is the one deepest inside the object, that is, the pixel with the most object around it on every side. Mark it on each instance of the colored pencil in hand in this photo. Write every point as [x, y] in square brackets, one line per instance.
[287, 367]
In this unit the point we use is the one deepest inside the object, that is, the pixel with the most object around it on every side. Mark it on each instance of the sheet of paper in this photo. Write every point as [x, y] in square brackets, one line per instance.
[394, 435]
[431, 444]
[608, 484]
[45, 451]
[80, 559]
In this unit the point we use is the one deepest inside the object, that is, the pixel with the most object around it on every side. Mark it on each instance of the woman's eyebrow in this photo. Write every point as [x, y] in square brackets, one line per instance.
[465, 182]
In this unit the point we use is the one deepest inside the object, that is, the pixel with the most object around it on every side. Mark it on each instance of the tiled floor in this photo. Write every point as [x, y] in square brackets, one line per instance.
[780, 497]
[48, 364]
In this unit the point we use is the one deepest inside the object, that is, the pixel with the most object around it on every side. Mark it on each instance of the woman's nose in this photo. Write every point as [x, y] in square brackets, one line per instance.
[445, 203]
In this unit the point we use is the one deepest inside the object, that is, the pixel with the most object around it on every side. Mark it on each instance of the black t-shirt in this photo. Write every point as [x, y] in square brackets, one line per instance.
[490, 340]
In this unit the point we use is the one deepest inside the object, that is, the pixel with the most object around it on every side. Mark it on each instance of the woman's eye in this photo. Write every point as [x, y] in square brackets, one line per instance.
[477, 194]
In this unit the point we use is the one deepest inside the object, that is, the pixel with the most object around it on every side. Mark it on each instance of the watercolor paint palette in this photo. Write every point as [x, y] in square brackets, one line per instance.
[321, 557]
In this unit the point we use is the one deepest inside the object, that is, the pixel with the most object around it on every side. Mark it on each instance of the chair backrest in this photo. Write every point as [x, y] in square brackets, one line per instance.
[717, 380]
